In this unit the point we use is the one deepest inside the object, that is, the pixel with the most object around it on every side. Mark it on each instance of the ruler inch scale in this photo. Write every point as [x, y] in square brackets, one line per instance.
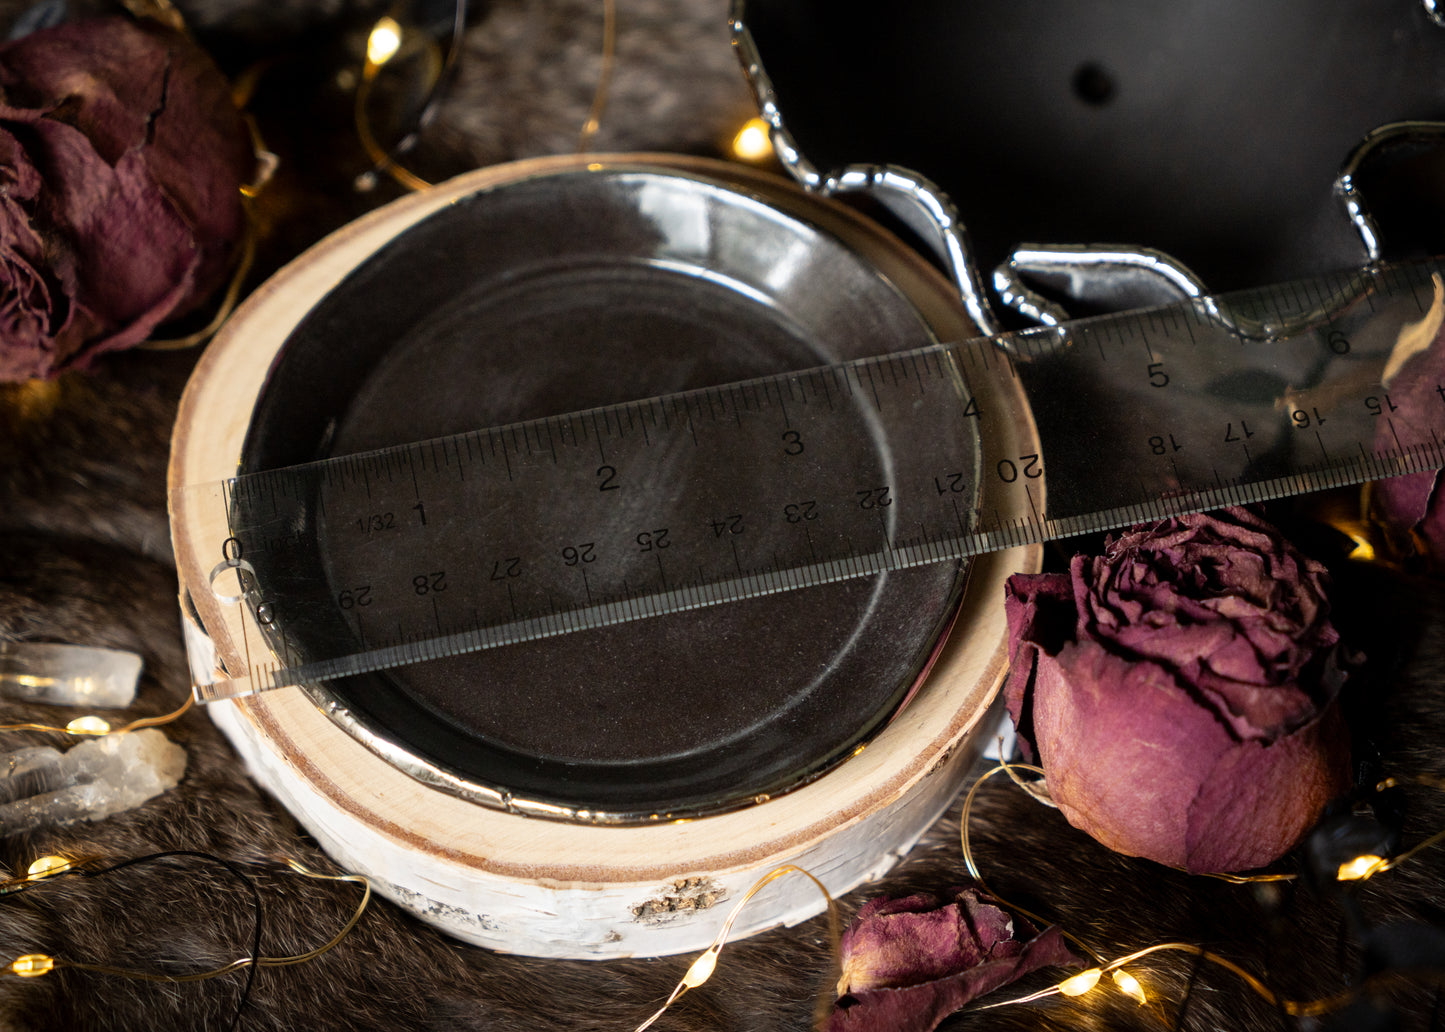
[654, 507]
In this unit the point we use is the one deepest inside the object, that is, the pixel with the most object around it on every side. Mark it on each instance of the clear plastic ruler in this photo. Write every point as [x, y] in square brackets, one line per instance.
[582, 520]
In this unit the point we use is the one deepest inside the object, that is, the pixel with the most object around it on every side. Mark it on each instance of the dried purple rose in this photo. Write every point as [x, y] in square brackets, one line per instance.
[121, 161]
[909, 963]
[1180, 691]
[1410, 507]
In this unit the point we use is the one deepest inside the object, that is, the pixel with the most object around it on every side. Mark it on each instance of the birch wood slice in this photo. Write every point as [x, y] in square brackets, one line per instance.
[513, 881]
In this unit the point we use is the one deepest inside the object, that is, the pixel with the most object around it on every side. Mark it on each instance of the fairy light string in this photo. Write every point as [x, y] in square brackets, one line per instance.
[93, 726]
[34, 965]
[705, 964]
[702, 968]
[1081, 983]
[389, 39]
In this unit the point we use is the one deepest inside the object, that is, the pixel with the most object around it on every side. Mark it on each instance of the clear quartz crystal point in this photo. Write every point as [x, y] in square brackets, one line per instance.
[68, 675]
[41, 786]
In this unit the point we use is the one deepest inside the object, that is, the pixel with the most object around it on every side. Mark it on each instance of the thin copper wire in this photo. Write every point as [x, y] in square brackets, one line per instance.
[383, 161]
[703, 966]
[1435, 839]
[166, 12]
[71, 865]
[1249, 879]
[240, 962]
[604, 77]
[972, 866]
[161, 10]
[228, 301]
[1293, 1008]
[134, 725]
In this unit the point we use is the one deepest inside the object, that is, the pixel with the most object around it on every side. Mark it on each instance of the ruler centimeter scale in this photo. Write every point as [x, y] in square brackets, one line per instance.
[647, 508]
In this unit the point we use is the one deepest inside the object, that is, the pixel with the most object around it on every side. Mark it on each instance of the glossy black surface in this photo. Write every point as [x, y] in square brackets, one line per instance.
[1210, 130]
[583, 289]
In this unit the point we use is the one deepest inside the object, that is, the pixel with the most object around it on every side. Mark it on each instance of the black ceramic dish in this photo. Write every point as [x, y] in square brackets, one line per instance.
[1211, 131]
[576, 289]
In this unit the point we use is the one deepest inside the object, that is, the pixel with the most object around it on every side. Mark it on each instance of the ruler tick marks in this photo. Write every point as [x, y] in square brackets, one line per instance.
[691, 427]
[1033, 506]
[873, 386]
[918, 374]
[1398, 444]
[601, 454]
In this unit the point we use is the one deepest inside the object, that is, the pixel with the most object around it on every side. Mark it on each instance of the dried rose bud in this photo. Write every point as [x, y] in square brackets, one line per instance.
[121, 162]
[909, 963]
[1180, 691]
[1413, 402]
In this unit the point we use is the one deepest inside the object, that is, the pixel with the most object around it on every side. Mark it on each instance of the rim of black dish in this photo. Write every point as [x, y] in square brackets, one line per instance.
[588, 241]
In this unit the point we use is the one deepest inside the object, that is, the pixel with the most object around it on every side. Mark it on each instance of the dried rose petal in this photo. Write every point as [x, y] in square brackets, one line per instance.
[27, 316]
[910, 963]
[122, 157]
[1411, 507]
[1180, 691]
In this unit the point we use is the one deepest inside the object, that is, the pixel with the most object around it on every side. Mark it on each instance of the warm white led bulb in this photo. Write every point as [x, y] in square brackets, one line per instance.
[90, 725]
[1360, 868]
[384, 41]
[32, 965]
[752, 142]
[701, 969]
[1080, 983]
[48, 864]
[1129, 985]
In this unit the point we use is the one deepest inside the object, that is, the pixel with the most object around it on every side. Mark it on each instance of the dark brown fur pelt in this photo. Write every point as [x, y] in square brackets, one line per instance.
[84, 558]
[394, 973]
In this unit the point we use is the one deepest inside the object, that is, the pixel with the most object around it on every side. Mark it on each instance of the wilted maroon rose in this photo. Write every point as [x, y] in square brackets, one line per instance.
[1180, 691]
[909, 963]
[1412, 404]
[121, 161]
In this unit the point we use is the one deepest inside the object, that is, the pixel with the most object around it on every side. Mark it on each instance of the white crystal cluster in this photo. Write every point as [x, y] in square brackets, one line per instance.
[42, 786]
[68, 675]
